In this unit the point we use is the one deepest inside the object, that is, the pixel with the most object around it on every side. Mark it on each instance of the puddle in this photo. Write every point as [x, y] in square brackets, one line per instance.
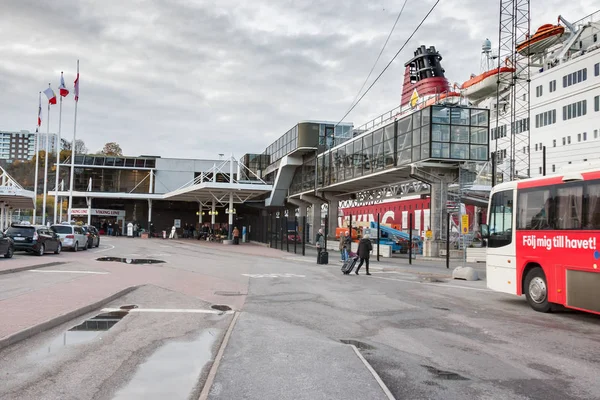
[431, 279]
[220, 307]
[172, 371]
[441, 308]
[131, 260]
[440, 374]
[359, 345]
[85, 332]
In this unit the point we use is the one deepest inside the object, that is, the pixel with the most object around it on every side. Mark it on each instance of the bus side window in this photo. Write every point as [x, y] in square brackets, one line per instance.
[535, 207]
[569, 205]
[592, 206]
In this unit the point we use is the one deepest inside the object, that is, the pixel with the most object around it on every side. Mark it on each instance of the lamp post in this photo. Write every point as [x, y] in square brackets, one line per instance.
[213, 214]
[230, 212]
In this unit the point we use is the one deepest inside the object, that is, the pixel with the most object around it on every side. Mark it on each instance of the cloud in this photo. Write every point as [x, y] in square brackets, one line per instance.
[198, 78]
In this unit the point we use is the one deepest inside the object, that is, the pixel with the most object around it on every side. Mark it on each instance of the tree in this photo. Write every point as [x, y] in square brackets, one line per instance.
[112, 149]
[79, 146]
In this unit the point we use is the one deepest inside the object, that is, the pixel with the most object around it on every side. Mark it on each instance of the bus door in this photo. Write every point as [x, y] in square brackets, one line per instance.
[501, 273]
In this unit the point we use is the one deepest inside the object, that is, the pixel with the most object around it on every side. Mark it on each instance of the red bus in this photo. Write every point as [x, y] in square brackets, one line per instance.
[543, 236]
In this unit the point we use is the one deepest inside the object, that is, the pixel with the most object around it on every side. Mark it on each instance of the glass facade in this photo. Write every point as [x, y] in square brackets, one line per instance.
[111, 161]
[435, 133]
[111, 180]
[284, 145]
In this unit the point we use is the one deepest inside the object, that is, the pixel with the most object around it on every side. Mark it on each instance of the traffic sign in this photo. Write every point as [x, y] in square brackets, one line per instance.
[465, 223]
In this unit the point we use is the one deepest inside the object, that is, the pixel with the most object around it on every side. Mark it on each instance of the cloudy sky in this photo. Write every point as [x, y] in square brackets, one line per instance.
[194, 78]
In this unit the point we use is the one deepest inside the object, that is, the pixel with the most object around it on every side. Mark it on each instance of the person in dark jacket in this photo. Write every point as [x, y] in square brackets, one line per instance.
[364, 252]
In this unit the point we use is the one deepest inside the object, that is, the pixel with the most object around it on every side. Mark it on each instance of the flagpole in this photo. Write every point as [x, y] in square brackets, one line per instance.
[37, 160]
[44, 214]
[58, 158]
[76, 94]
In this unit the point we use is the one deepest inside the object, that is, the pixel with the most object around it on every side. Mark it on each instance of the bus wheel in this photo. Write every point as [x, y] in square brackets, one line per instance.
[536, 290]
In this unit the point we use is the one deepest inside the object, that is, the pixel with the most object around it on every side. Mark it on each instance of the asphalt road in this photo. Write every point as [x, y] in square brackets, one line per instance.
[425, 336]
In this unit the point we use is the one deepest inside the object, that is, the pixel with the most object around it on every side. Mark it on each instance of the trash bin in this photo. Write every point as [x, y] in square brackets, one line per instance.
[164, 234]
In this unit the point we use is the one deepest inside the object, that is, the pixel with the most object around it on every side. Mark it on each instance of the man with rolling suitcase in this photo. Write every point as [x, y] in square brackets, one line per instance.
[364, 252]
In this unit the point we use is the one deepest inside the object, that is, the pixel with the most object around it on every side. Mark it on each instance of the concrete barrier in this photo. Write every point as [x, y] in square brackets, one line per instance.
[465, 274]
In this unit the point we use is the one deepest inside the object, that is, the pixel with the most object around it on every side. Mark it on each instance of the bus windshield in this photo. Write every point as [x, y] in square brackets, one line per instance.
[500, 219]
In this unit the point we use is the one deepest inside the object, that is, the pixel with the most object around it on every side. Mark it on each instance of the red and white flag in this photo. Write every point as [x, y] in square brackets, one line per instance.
[50, 95]
[62, 88]
[76, 83]
[40, 111]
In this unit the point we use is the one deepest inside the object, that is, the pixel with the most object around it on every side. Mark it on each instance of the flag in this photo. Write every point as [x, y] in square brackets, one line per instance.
[50, 95]
[63, 89]
[76, 83]
[40, 111]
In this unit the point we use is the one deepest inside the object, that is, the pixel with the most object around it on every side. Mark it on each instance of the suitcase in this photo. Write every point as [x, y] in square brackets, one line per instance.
[324, 257]
[349, 265]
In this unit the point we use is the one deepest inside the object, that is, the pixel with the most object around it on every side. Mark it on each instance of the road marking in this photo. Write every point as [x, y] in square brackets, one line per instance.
[169, 310]
[108, 248]
[274, 276]
[213, 369]
[67, 272]
[441, 285]
[382, 385]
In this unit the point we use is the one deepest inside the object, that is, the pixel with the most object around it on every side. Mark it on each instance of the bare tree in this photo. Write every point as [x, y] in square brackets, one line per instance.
[79, 146]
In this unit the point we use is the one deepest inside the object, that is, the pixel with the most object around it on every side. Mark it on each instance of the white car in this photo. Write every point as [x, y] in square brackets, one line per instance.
[71, 236]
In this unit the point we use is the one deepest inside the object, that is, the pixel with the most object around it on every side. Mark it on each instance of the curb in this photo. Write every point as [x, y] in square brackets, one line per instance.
[19, 269]
[61, 319]
[217, 360]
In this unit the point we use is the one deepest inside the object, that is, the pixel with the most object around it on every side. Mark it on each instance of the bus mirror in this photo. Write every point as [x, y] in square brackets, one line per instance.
[485, 231]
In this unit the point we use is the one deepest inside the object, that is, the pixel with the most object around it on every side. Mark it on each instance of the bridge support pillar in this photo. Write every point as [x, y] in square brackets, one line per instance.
[334, 211]
[315, 219]
[438, 179]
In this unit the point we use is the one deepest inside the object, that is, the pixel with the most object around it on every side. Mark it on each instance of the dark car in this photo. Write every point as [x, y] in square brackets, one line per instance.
[7, 246]
[92, 234]
[36, 239]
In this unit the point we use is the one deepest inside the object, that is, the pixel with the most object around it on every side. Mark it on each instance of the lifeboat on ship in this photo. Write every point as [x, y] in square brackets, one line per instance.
[483, 85]
[546, 36]
[446, 97]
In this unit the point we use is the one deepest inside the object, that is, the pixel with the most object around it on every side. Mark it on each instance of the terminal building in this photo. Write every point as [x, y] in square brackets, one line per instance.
[433, 138]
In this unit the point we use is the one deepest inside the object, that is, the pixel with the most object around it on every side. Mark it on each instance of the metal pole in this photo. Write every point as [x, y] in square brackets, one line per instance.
[295, 234]
[304, 235]
[447, 240]
[350, 230]
[280, 231]
[287, 239]
[410, 229]
[72, 172]
[58, 154]
[493, 169]
[544, 160]
[378, 234]
[46, 159]
[326, 228]
[37, 160]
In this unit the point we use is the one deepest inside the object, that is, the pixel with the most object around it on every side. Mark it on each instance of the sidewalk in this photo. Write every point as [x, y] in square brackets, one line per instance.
[26, 262]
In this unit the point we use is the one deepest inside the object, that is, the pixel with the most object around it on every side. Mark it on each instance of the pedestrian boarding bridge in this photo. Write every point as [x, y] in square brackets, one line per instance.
[440, 146]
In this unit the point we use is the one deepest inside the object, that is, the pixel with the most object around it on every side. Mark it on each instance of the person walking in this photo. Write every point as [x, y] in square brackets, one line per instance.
[364, 252]
[236, 235]
[345, 244]
[320, 242]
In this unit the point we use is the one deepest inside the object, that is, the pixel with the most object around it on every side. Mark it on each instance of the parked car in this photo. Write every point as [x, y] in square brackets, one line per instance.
[7, 246]
[293, 236]
[37, 239]
[71, 236]
[93, 236]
